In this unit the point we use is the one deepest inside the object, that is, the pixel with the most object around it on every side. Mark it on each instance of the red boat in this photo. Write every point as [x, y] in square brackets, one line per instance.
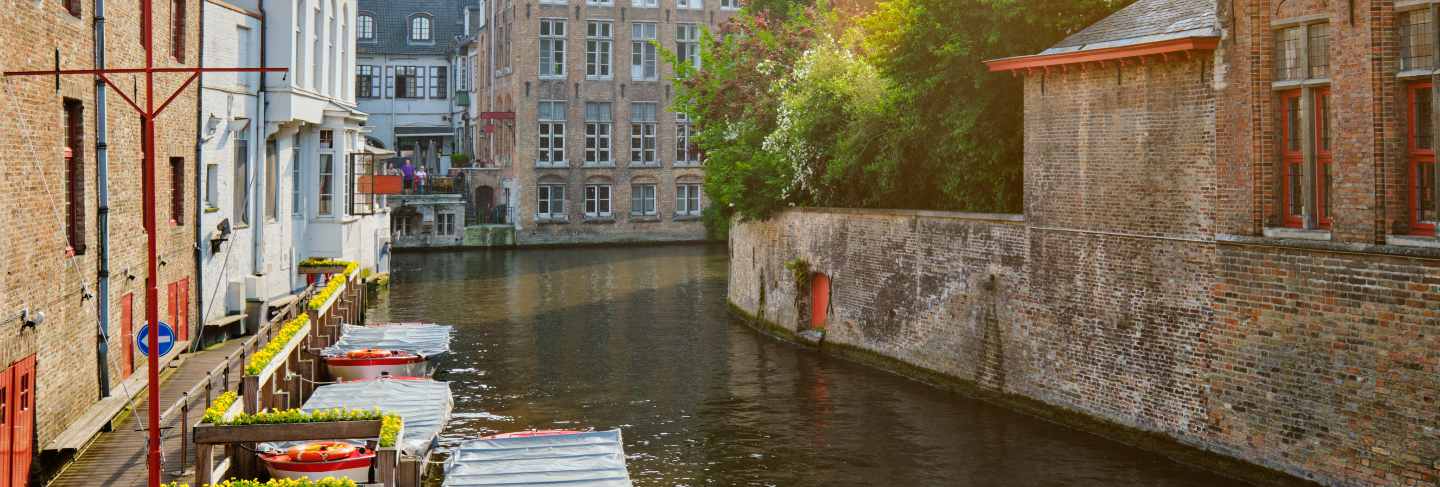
[373, 363]
[317, 460]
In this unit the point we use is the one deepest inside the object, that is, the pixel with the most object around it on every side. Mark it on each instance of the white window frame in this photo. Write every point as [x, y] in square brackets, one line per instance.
[645, 3]
[599, 135]
[687, 42]
[550, 196]
[552, 48]
[598, 201]
[360, 24]
[684, 135]
[599, 49]
[445, 224]
[321, 196]
[643, 198]
[296, 203]
[687, 199]
[642, 130]
[729, 4]
[428, 28]
[644, 64]
[690, 4]
[600, 3]
[551, 133]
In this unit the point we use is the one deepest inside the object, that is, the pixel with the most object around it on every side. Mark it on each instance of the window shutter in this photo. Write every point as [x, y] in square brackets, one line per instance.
[390, 82]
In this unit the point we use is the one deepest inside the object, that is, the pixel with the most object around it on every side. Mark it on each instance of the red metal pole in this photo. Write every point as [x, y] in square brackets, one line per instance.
[152, 295]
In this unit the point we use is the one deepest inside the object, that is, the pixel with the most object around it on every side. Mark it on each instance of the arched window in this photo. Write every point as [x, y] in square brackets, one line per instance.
[365, 27]
[420, 28]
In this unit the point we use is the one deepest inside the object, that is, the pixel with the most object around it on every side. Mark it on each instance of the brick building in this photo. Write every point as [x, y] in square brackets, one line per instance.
[597, 155]
[1227, 240]
[50, 229]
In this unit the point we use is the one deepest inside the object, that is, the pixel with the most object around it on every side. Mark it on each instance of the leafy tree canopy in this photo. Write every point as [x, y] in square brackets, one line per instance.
[868, 104]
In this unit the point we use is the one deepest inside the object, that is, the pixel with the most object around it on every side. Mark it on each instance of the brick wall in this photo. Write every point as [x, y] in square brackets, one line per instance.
[36, 271]
[1139, 288]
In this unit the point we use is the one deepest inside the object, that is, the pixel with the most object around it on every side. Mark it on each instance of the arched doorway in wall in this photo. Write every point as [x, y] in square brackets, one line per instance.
[484, 203]
[819, 300]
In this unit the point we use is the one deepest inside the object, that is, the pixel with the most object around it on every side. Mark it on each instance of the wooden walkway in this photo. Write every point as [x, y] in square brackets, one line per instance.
[117, 458]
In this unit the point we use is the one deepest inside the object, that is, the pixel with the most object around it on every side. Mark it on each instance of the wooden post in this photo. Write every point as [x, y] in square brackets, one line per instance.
[241, 461]
[386, 461]
[204, 463]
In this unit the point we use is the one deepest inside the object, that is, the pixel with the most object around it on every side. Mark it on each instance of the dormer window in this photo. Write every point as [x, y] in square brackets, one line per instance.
[365, 27]
[420, 28]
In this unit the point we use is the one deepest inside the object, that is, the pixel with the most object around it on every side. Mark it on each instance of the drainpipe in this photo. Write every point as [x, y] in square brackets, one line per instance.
[257, 250]
[199, 192]
[102, 183]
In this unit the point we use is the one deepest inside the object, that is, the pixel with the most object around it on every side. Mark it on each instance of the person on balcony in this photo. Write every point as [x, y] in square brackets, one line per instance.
[408, 173]
[420, 178]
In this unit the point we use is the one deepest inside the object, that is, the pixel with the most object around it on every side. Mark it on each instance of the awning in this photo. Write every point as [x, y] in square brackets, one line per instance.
[426, 340]
[431, 131]
[592, 459]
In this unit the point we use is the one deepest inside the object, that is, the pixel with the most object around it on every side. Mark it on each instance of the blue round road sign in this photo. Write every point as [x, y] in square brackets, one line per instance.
[166, 339]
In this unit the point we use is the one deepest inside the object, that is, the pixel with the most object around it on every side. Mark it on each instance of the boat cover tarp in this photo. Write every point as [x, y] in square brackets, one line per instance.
[426, 340]
[425, 405]
[591, 459]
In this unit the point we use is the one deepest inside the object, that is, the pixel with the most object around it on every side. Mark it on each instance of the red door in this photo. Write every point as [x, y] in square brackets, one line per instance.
[127, 333]
[819, 301]
[20, 409]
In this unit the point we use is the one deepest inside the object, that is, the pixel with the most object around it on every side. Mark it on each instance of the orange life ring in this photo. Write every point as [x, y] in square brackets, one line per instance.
[369, 353]
[320, 451]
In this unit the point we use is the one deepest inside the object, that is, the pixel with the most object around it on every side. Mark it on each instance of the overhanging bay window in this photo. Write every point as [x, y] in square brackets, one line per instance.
[1305, 178]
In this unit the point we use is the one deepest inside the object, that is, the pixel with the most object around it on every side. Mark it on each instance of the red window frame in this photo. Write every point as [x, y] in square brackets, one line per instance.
[177, 29]
[1323, 169]
[1420, 159]
[1292, 159]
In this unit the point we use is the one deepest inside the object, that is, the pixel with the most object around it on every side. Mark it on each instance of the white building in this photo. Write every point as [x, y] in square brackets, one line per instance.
[280, 183]
[406, 78]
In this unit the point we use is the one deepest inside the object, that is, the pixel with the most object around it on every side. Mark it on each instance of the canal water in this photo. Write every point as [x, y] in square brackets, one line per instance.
[641, 339]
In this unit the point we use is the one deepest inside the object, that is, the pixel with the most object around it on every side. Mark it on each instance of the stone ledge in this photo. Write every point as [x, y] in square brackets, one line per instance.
[1418, 252]
[958, 215]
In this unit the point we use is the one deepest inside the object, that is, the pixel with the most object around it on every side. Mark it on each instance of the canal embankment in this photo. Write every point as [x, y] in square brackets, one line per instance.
[1213, 353]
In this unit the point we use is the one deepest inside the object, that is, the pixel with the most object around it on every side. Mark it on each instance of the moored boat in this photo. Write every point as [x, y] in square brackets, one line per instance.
[544, 457]
[320, 459]
[373, 363]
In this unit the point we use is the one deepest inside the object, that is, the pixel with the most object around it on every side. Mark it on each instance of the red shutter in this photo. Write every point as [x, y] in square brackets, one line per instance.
[183, 325]
[127, 332]
[174, 302]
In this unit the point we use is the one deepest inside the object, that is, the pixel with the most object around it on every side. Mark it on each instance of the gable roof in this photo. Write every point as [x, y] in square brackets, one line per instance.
[392, 30]
[1146, 27]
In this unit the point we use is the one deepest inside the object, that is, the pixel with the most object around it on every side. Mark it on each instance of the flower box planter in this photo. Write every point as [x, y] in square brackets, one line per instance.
[321, 269]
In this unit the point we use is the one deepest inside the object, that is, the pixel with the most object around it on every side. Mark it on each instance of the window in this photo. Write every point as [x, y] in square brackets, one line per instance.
[552, 48]
[366, 85]
[1293, 160]
[327, 184]
[272, 182]
[212, 186]
[729, 4]
[597, 201]
[1417, 40]
[597, 134]
[241, 191]
[317, 58]
[687, 199]
[600, 3]
[299, 67]
[365, 27]
[1421, 150]
[327, 139]
[642, 199]
[642, 134]
[1302, 52]
[1323, 176]
[408, 81]
[420, 28]
[690, 4]
[1295, 203]
[642, 52]
[686, 152]
[438, 80]
[645, 3]
[598, 44]
[295, 175]
[75, 174]
[403, 225]
[177, 29]
[687, 43]
[552, 133]
[177, 190]
[72, 6]
[551, 201]
[445, 224]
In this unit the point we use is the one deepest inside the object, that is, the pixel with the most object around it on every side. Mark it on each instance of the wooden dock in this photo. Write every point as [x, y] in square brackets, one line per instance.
[118, 457]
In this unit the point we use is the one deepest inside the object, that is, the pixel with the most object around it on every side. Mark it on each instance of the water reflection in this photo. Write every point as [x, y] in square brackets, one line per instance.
[640, 339]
